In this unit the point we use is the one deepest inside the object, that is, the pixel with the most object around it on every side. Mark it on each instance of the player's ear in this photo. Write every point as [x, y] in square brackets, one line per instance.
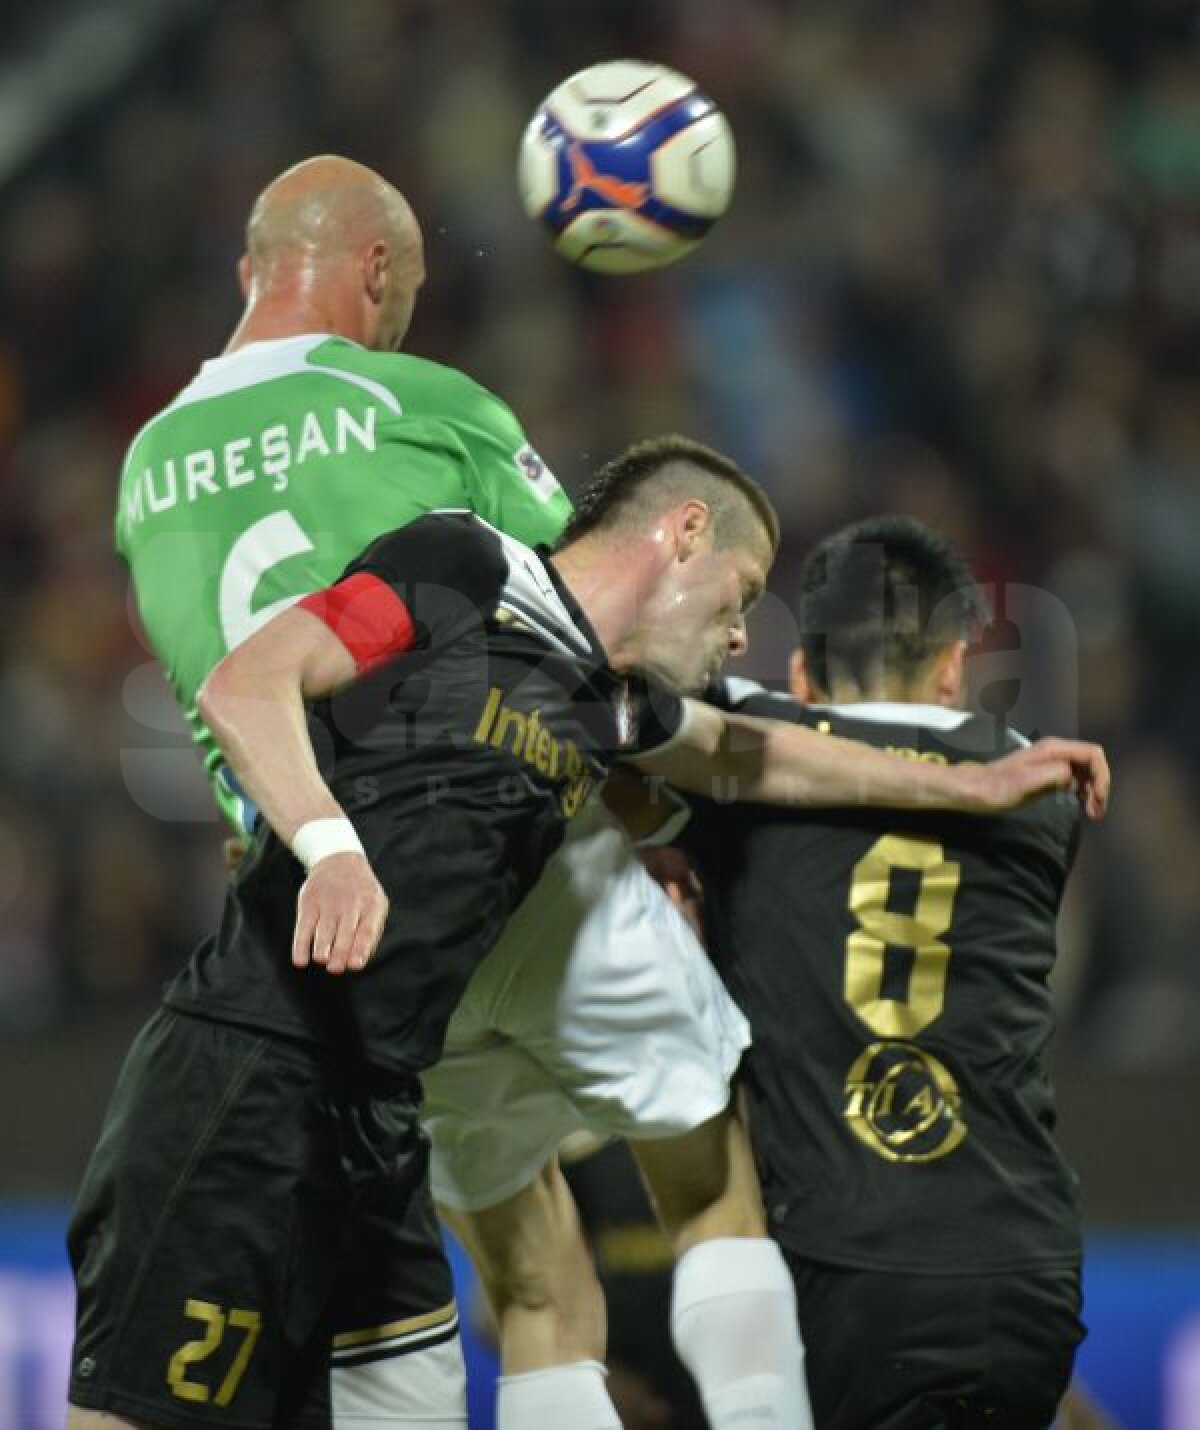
[377, 262]
[695, 521]
[949, 674]
[798, 680]
[245, 276]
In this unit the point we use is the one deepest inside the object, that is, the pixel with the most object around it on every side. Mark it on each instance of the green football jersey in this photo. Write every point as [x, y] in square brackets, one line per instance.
[277, 465]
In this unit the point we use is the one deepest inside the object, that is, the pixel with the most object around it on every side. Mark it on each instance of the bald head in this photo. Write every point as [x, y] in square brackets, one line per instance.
[323, 208]
[331, 244]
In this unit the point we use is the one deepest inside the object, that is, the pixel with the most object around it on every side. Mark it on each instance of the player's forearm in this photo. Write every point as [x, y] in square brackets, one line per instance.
[253, 702]
[776, 762]
[739, 757]
[259, 723]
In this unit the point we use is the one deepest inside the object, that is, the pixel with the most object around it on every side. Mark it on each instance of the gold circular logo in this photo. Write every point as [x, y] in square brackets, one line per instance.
[903, 1103]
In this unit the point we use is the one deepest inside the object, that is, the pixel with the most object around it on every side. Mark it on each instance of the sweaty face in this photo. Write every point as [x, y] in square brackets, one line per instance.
[696, 617]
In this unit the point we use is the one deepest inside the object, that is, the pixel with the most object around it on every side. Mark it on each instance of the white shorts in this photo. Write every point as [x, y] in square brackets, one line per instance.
[598, 1010]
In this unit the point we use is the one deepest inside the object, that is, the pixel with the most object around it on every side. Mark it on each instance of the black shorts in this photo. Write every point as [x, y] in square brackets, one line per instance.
[907, 1351]
[244, 1227]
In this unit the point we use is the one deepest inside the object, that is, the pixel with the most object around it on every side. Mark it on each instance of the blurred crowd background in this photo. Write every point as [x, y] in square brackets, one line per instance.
[960, 278]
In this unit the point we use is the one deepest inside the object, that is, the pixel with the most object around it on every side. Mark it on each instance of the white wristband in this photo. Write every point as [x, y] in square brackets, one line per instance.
[320, 838]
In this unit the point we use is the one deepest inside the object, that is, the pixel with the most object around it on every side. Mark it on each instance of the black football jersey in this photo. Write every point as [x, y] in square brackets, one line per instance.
[459, 760]
[895, 969]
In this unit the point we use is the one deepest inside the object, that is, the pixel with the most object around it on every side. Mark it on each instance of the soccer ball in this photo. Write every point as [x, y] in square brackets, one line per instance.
[628, 165]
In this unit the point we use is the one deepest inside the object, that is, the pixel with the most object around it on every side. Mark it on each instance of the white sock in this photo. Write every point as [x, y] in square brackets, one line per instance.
[733, 1321]
[561, 1397]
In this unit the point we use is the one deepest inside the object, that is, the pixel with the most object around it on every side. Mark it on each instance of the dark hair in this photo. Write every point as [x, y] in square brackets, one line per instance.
[650, 477]
[880, 597]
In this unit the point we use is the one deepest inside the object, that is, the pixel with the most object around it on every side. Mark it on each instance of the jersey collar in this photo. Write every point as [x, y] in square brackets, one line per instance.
[248, 351]
[898, 712]
[566, 596]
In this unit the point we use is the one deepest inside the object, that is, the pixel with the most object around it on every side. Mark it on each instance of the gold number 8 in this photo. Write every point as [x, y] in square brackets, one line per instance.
[879, 928]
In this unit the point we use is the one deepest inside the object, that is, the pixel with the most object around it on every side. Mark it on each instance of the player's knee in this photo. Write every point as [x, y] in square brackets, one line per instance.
[521, 1283]
[558, 1274]
[553, 1309]
[703, 1183]
[534, 1252]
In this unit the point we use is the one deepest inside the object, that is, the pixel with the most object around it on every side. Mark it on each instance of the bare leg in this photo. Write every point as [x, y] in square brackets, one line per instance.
[733, 1306]
[734, 1318]
[703, 1183]
[538, 1276]
[80, 1419]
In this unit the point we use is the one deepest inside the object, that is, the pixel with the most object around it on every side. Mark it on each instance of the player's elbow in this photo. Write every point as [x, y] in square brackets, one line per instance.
[264, 677]
[225, 690]
[213, 696]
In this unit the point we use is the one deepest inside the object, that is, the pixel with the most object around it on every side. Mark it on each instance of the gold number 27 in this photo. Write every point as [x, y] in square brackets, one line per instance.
[215, 1322]
[879, 928]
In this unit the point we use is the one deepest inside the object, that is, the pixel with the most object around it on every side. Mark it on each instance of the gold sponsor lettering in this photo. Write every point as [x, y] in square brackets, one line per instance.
[523, 735]
[929, 757]
[921, 1102]
[577, 781]
[903, 1103]
[532, 730]
[510, 719]
[484, 729]
[545, 756]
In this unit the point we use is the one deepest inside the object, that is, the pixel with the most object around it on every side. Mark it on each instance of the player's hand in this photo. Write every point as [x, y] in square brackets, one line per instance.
[1047, 765]
[339, 914]
[669, 867]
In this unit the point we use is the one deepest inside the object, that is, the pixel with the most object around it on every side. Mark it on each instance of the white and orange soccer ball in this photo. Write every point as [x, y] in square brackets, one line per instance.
[627, 165]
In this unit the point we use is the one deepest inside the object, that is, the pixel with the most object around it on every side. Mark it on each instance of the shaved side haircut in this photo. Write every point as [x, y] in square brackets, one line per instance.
[651, 477]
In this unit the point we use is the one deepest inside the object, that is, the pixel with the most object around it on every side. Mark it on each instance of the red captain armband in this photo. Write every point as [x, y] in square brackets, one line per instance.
[367, 616]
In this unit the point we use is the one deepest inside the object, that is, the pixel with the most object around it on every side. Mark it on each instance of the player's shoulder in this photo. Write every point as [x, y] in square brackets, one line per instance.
[947, 736]
[910, 728]
[445, 538]
[935, 732]
[422, 387]
[919, 727]
[749, 697]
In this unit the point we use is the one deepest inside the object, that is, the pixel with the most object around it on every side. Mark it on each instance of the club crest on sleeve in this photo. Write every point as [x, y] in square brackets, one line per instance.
[540, 477]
